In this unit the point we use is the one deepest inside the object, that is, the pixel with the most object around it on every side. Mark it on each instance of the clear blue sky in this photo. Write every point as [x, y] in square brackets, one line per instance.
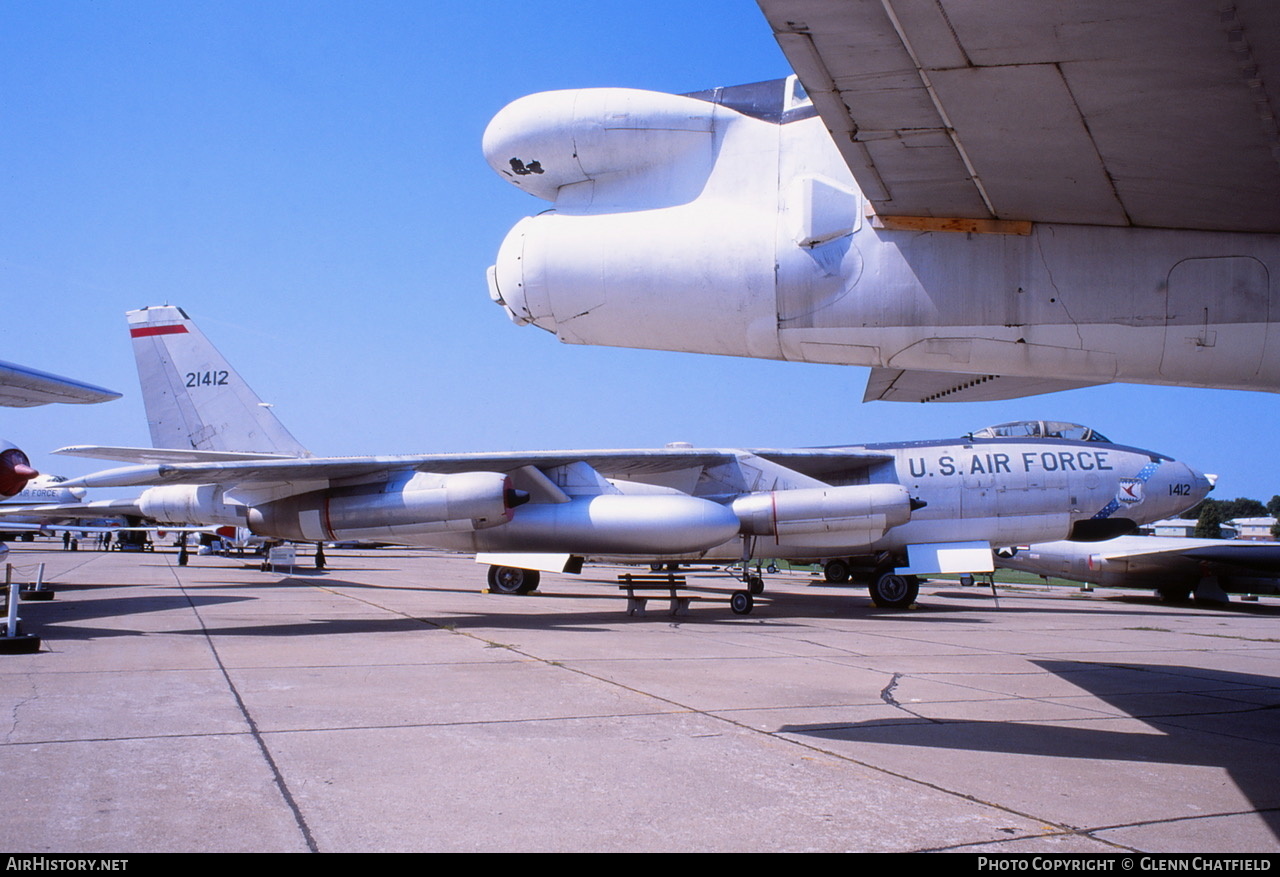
[305, 179]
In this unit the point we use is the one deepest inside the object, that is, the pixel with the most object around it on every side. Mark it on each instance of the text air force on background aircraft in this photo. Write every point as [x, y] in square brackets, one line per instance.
[935, 505]
[978, 200]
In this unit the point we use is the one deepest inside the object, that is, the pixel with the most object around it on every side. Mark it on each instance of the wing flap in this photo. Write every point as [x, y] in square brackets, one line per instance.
[161, 455]
[902, 385]
[622, 464]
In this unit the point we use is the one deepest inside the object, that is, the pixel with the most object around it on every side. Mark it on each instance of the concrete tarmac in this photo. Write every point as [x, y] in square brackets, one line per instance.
[388, 704]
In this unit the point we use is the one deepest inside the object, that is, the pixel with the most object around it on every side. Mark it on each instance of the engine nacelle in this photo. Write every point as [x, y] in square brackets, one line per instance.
[613, 524]
[837, 516]
[398, 512]
[190, 504]
[545, 142]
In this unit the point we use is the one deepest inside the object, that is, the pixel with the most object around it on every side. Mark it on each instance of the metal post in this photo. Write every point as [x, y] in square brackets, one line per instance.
[13, 600]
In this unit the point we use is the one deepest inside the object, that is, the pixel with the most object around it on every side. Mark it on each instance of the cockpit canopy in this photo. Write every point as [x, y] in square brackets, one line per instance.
[1042, 429]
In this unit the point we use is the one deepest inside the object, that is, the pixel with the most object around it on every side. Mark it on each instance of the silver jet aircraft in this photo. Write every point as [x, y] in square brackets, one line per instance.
[977, 200]
[913, 507]
[1173, 567]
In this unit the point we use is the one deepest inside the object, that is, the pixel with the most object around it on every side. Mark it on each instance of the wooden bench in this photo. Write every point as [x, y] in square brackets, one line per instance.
[669, 582]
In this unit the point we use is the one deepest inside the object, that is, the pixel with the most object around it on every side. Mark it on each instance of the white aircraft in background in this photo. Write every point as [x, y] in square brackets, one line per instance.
[43, 490]
[977, 200]
[935, 505]
[1173, 567]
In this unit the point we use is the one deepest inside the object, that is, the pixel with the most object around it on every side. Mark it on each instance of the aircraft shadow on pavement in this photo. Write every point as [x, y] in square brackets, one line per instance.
[53, 621]
[1197, 735]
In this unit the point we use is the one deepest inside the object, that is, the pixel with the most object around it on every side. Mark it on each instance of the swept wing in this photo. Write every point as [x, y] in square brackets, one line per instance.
[22, 387]
[1155, 113]
[624, 464]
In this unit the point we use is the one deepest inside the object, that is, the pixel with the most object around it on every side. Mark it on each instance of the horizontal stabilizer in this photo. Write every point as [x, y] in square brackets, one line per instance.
[902, 385]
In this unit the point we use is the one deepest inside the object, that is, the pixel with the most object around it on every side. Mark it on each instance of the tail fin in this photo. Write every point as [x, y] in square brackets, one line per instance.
[194, 398]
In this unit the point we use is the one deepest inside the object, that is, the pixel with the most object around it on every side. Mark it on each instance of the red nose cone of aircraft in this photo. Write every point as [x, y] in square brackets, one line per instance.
[15, 472]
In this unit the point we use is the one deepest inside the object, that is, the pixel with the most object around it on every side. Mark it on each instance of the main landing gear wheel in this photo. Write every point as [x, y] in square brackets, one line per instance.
[512, 580]
[755, 585]
[836, 571]
[1176, 596]
[741, 603]
[889, 590]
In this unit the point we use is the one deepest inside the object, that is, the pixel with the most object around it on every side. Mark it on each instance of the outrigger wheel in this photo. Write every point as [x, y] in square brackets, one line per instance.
[512, 579]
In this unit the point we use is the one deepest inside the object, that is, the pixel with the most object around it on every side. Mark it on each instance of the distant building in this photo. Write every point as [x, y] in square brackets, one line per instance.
[1169, 527]
[1251, 529]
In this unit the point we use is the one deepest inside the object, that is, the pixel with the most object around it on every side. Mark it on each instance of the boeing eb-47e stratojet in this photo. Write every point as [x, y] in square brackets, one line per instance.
[979, 200]
[931, 505]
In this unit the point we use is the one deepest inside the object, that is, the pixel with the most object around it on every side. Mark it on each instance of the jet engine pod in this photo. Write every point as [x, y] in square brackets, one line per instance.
[422, 503]
[837, 516]
[612, 524]
[546, 141]
[15, 470]
[190, 504]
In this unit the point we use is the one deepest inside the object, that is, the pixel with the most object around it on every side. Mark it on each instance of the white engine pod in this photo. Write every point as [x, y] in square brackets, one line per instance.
[615, 524]
[424, 503]
[190, 504]
[861, 512]
[544, 142]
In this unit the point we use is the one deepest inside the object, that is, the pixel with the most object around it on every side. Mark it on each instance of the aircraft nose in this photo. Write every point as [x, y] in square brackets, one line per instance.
[1204, 483]
[1198, 486]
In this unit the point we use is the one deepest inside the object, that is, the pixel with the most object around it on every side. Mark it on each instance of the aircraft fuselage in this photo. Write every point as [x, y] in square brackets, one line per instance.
[1000, 491]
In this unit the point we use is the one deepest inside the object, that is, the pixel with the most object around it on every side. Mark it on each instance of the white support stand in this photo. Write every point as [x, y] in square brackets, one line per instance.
[37, 591]
[14, 642]
[282, 556]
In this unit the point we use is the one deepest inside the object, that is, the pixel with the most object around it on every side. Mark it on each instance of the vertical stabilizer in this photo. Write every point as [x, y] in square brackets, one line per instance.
[194, 398]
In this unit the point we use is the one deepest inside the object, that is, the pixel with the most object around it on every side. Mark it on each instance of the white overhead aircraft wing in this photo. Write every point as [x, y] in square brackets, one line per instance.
[1156, 113]
[22, 387]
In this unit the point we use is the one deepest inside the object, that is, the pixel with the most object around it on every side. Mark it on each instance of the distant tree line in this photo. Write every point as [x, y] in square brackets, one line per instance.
[1211, 514]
